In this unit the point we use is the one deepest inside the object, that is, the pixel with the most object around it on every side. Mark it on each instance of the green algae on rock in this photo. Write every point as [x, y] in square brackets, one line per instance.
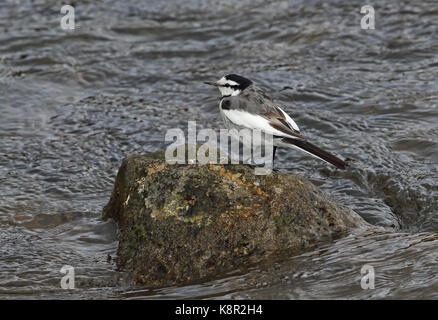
[180, 223]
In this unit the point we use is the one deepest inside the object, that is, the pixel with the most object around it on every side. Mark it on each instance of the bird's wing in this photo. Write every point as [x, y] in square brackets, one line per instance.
[280, 120]
[266, 117]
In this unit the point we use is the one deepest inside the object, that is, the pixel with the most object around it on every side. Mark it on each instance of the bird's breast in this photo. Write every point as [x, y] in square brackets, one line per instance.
[224, 104]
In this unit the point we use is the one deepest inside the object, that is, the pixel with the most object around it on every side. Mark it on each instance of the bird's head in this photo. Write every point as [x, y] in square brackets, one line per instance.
[231, 84]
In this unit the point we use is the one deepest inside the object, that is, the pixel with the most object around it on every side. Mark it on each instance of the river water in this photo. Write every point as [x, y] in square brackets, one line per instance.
[74, 103]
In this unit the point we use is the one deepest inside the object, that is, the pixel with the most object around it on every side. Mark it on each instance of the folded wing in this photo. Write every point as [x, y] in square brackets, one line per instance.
[270, 119]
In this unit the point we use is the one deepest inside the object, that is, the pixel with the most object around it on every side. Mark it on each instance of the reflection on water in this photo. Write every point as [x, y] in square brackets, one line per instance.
[74, 104]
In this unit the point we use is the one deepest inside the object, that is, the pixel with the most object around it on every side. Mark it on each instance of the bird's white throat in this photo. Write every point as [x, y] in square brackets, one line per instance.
[228, 91]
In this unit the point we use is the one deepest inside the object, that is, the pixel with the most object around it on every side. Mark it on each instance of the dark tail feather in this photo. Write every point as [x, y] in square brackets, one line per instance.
[318, 152]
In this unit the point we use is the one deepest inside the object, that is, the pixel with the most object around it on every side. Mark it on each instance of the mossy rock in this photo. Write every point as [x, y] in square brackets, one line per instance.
[180, 223]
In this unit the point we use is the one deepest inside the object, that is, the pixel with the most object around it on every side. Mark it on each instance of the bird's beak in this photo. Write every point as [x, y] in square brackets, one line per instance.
[211, 83]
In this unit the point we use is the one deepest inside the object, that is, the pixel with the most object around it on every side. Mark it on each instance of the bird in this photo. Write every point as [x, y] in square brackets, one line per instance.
[245, 105]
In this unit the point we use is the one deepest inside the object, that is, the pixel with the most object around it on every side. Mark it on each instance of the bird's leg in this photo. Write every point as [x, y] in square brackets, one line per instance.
[273, 159]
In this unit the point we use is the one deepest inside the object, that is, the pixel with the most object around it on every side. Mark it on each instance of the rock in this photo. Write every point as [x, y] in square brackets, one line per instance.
[180, 223]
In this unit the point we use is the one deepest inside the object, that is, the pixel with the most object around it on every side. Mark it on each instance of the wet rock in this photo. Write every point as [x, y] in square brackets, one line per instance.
[180, 223]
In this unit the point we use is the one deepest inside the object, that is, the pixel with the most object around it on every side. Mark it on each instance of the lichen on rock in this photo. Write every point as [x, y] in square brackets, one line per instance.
[180, 223]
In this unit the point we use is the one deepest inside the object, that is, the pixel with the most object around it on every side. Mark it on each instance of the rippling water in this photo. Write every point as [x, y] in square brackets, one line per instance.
[73, 104]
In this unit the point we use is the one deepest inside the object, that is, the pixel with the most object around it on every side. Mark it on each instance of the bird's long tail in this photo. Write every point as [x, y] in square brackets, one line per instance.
[316, 152]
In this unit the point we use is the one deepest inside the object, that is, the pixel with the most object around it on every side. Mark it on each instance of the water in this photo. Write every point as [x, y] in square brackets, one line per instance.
[73, 104]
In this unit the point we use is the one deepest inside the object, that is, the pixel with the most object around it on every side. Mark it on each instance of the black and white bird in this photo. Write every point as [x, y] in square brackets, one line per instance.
[244, 105]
